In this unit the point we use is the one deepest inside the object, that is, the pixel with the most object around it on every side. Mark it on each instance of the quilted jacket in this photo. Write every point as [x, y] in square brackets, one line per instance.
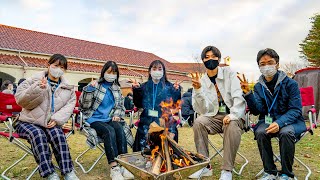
[36, 102]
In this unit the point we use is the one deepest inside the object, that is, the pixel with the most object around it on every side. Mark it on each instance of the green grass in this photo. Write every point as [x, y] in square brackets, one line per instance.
[308, 150]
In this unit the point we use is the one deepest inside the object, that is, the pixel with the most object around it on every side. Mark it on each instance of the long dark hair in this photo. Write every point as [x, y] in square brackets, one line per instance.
[156, 63]
[114, 68]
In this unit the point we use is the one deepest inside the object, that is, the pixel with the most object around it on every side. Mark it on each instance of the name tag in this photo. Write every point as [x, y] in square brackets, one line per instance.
[268, 119]
[152, 113]
[223, 109]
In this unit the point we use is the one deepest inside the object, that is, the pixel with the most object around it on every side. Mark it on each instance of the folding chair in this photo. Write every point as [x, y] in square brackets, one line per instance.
[9, 113]
[307, 100]
[183, 120]
[84, 129]
[219, 151]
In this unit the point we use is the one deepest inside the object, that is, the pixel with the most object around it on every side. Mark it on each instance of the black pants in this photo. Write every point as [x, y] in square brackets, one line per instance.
[287, 141]
[113, 136]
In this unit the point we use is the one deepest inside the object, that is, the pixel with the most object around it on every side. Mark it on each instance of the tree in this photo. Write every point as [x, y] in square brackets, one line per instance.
[310, 46]
[292, 67]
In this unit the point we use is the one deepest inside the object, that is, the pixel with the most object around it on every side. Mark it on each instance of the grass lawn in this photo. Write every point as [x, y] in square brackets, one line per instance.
[308, 150]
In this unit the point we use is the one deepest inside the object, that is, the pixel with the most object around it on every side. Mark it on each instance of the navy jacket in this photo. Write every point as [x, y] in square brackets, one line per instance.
[287, 109]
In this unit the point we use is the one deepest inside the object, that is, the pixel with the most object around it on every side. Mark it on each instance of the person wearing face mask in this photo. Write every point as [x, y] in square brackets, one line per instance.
[149, 96]
[47, 102]
[102, 105]
[217, 98]
[277, 101]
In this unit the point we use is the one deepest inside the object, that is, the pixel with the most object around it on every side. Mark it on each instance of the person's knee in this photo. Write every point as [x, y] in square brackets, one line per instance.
[260, 133]
[286, 134]
[199, 122]
[232, 127]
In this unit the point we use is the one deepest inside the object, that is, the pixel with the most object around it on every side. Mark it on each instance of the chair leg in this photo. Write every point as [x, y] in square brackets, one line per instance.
[94, 164]
[218, 152]
[3, 175]
[306, 167]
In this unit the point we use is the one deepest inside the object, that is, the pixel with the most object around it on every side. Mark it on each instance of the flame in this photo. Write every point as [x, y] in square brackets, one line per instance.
[153, 152]
[186, 161]
[169, 110]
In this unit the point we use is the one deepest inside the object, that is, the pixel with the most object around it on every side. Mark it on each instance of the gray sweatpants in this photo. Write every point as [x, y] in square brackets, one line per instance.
[231, 137]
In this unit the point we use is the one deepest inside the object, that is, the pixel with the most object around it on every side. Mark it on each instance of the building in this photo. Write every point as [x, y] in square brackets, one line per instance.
[24, 52]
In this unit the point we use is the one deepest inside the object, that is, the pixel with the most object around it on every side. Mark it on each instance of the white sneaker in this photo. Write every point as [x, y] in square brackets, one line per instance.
[115, 173]
[267, 176]
[126, 174]
[53, 176]
[226, 175]
[71, 176]
[203, 172]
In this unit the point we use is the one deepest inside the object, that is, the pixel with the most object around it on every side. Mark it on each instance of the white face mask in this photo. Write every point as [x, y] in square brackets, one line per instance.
[268, 70]
[110, 77]
[157, 75]
[55, 72]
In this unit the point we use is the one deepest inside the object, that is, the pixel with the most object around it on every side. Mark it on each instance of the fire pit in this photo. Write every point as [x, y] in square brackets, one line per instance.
[136, 164]
[164, 159]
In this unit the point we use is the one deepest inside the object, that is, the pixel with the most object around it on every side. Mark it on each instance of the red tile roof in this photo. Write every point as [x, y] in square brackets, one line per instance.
[28, 40]
[75, 66]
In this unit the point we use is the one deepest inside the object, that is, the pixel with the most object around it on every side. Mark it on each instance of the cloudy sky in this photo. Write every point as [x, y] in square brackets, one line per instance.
[174, 30]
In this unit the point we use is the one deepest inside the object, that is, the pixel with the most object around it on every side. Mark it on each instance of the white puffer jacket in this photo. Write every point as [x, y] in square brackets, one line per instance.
[36, 102]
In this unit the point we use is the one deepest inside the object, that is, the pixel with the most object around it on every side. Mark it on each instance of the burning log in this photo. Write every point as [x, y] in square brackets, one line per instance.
[179, 150]
[166, 151]
[157, 165]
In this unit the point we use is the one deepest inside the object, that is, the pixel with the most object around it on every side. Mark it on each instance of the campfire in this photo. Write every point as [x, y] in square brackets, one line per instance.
[164, 157]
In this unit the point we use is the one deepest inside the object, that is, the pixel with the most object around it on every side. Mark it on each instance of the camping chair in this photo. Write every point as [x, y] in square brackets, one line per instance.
[218, 151]
[183, 120]
[87, 131]
[9, 113]
[307, 97]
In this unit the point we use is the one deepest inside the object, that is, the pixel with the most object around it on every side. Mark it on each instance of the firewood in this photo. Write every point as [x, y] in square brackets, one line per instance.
[177, 149]
[166, 152]
[156, 165]
[154, 127]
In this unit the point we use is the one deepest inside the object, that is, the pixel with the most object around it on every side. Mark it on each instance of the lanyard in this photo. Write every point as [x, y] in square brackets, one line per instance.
[154, 95]
[274, 100]
[52, 96]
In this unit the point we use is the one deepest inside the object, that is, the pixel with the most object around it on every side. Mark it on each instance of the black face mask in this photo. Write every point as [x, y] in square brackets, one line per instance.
[211, 64]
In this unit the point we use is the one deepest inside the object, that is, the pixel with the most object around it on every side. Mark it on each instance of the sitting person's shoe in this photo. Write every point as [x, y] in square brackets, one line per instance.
[203, 172]
[226, 175]
[285, 177]
[267, 176]
[115, 173]
[53, 176]
[71, 176]
[126, 174]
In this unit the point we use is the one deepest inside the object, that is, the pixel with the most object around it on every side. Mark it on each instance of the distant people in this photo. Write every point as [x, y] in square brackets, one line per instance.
[186, 106]
[7, 87]
[128, 101]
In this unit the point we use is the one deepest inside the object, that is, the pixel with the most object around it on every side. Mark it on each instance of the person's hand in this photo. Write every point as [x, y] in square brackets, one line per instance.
[196, 80]
[244, 84]
[10, 87]
[176, 85]
[134, 83]
[93, 83]
[226, 120]
[51, 124]
[116, 118]
[273, 128]
[43, 83]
